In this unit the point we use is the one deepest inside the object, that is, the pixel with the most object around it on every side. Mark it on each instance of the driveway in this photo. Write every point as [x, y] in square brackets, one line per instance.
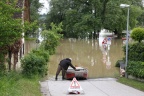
[90, 87]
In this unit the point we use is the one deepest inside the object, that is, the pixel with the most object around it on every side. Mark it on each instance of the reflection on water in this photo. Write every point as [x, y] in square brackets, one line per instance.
[98, 58]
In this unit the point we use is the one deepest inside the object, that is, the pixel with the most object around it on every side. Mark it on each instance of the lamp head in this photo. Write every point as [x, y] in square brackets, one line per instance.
[124, 5]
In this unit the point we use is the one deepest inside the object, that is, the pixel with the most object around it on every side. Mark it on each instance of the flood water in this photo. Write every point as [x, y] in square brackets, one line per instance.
[98, 58]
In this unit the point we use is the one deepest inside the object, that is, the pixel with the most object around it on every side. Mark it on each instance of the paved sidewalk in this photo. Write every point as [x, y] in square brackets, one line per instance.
[91, 87]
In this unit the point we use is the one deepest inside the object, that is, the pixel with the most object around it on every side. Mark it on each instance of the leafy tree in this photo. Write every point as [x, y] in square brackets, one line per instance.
[138, 34]
[116, 17]
[32, 25]
[35, 5]
[51, 38]
[30, 28]
[10, 27]
[83, 17]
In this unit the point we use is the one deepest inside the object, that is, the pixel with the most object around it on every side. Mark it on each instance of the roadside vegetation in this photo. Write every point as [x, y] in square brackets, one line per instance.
[85, 18]
[135, 67]
[136, 53]
[15, 84]
[133, 83]
[68, 18]
[34, 67]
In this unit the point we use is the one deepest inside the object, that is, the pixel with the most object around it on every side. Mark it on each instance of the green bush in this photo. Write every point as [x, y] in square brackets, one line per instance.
[34, 65]
[43, 53]
[136, 68]
[136, 52]
[135, 58]
[137, 34]
[51, 38]
[15, 84]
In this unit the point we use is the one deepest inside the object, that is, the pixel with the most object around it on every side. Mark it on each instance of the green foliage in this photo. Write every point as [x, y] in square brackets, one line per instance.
[136, 68]
[51, 38]
[33, 64]
[14, 84]
[34, 9]
[32, 25]
[133, 83]
[138, 34]
[8, 84]
[43, 53]
[135, 60]
[82, 17]
[136, 52]
[2, 64]
[10, 27]
[30, 28]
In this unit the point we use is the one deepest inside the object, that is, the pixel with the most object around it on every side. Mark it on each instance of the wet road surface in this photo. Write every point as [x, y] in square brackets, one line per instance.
[91, 87]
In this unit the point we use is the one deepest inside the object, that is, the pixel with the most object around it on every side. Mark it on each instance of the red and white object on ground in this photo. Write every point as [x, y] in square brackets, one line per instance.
[75, 87]
[81, 74]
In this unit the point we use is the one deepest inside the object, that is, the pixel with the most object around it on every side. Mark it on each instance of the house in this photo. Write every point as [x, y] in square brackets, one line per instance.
[17, 50]
[25, 15]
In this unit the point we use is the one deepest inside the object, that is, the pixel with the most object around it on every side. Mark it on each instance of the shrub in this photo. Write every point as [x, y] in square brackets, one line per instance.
[34, 65]
[43, 53]
[136, 52]
[136, 68]
[137, 34]
[51, 38]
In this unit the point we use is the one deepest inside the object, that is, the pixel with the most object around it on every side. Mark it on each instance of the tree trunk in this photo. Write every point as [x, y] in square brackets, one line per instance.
[15, 60]
[9, 61]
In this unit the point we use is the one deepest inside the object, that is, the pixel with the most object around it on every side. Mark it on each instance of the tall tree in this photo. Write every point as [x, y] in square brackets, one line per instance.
[35, 5]
[10, 27]
[51, 38]
[82, 17]
[115, 17]
[32, 26]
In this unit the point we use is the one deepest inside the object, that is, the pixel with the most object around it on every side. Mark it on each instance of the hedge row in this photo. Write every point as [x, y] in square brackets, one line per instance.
[136, 69]
[35, 63]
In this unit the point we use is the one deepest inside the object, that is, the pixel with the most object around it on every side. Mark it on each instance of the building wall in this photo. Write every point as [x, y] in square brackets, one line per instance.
[25, 15]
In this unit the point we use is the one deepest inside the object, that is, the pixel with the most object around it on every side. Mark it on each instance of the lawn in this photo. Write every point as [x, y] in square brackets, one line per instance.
[133, 83]
[14, 84]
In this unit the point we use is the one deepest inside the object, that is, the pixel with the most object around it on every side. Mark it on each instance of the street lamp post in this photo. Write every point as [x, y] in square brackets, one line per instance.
[127, 33]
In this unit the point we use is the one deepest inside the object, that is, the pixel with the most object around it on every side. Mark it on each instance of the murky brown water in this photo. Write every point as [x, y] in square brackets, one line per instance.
[91, 54]
[29, 45]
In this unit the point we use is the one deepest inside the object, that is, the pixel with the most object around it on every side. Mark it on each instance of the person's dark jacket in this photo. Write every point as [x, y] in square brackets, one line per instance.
[65, 63]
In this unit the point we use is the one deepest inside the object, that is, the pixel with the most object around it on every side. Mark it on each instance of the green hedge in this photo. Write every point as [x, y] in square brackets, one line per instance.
[35, 64]
[137, 34]
[43, 53]
[136, 52]
[136, 68]
[135, 59]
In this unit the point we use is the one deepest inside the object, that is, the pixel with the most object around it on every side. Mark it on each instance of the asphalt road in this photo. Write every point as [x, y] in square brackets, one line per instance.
[90, 87]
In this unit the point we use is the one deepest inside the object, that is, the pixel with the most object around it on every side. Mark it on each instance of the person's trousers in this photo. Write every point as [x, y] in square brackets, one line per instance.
[58, 71]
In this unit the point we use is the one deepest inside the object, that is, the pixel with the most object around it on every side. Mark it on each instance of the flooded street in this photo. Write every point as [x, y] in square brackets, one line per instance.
[98, 58]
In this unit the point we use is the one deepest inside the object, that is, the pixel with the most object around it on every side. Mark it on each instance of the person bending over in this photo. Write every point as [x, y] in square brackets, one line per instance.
[63, 66]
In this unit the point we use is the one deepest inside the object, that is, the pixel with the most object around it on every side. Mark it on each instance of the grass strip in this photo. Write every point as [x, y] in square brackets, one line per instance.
[17, 85]
[133, 83]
